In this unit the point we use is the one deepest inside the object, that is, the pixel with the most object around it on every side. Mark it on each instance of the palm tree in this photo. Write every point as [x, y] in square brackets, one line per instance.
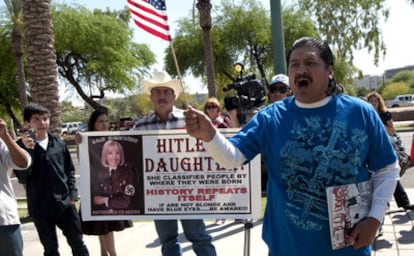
[204, 7]
[14, 8]
[41, 58]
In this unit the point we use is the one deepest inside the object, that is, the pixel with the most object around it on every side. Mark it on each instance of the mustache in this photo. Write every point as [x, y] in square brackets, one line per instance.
[162, 101]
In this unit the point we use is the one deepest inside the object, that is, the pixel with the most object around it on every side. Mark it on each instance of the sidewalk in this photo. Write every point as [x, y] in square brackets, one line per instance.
[142, 240]
[398, 238]
[229, 239]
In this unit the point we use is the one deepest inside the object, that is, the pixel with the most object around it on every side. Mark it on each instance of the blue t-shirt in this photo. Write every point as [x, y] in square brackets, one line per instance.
[306, 150]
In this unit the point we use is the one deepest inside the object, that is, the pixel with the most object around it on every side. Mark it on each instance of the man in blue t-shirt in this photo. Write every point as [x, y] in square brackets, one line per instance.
[316, 139]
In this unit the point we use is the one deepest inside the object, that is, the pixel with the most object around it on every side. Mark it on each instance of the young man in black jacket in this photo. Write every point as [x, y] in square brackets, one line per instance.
[50, 184]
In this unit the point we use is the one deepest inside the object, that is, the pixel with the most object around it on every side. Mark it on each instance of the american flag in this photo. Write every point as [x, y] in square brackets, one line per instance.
[151, 16]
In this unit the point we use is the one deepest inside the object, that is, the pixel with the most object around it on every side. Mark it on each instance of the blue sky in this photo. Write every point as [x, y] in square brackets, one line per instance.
[398, 37]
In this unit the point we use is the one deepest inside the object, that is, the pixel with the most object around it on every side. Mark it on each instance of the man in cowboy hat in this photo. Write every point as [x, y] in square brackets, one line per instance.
[163, 92]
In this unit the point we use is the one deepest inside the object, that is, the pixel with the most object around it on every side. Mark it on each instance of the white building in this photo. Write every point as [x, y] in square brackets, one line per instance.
[369, 82]
[373, 82]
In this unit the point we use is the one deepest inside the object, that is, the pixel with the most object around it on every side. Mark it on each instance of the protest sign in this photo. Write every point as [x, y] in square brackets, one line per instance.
[165, 175]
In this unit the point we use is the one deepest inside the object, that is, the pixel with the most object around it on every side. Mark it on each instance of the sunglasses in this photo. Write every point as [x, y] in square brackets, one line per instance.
[281, 89]
[211, 106]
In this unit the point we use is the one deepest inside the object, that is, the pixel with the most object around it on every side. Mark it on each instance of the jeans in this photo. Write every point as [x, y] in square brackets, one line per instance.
[69, 223]
[11, 241]
[194, 231]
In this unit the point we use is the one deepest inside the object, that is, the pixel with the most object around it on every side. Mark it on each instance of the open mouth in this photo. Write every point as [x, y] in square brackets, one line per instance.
[302, 82]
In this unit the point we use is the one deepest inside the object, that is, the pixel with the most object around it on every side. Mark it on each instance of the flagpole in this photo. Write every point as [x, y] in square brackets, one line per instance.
[178, 72]
[154, 11]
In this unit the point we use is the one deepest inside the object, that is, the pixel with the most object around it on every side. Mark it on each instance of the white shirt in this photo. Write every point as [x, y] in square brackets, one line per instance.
[8, 204]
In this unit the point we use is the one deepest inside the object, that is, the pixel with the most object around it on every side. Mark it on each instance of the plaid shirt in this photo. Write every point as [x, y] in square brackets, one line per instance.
[153, 122]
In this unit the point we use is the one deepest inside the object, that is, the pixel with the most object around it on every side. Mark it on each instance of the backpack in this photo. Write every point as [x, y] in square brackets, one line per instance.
[404, 158]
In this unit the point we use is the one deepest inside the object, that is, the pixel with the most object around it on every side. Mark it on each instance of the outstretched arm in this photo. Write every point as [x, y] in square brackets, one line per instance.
[199, 126]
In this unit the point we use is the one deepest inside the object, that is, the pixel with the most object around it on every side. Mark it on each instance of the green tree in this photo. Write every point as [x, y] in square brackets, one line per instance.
[393, 89]
[245, 29]
[122, 107]
[349, 25]
[361, 91]
[343, 72]
[406, 77]
[240, 33]
[296, 24]
[9, 97]
[41, 58]
[71, 113]
[14, 9]
[95, 52]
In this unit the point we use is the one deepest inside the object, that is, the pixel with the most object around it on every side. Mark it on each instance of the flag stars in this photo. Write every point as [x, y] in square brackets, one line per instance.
[151, 16]
[158, 4]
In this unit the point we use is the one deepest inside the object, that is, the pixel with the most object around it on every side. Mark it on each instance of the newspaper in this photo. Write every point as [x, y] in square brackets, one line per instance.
[347, 205]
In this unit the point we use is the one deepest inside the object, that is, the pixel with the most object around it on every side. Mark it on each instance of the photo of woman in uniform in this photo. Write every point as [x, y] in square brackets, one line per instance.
[114, 187]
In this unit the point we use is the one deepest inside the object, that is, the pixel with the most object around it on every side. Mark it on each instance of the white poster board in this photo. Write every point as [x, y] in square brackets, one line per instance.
[173, 176]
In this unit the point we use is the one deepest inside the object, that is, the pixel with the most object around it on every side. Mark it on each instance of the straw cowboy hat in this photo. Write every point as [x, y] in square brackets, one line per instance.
[162, 79]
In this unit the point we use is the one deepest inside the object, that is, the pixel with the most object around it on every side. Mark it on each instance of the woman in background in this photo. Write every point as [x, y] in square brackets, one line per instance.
[378, 103]
[98, 121]
[212, 108]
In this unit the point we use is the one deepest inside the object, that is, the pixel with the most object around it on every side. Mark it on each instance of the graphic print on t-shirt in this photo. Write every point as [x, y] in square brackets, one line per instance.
[322, 145]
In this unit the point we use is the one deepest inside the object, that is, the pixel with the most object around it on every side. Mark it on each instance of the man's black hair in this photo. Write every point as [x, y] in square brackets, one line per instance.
[325, 54]
[34, 109]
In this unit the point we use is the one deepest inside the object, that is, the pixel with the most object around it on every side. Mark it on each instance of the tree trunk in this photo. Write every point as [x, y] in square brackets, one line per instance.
[17, 46]
[204, 7]
[41, 57]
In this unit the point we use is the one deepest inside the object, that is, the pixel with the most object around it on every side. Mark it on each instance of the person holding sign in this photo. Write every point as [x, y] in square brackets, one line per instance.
[98, 121]
[316, 139]
[163, 92]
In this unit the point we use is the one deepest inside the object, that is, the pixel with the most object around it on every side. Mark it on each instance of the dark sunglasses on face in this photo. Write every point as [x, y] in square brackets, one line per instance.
[281, 89]
[211, 106]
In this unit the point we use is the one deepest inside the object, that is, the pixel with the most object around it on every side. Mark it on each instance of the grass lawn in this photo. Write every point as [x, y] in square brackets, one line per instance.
[403, 128]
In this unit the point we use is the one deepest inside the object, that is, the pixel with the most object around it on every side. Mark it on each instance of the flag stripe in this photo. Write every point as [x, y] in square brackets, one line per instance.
[153, 31]
[147, 19]
[149, 9]
[148, 23]
[141, 10]
[150, 19]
